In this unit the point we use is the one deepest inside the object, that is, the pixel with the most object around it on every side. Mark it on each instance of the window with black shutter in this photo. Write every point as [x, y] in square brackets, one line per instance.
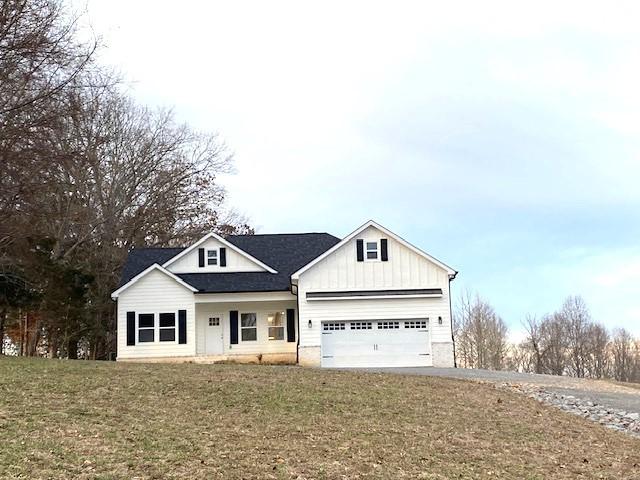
[167, 327]
[146, 327]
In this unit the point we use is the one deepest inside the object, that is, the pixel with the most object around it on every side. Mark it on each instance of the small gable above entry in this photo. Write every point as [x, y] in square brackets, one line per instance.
[213, 254]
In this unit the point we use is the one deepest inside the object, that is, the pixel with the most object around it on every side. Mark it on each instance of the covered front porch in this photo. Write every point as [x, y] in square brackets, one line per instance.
[246, 327]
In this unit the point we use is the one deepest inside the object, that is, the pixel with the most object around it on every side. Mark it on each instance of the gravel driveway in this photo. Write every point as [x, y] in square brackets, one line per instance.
[611, 395]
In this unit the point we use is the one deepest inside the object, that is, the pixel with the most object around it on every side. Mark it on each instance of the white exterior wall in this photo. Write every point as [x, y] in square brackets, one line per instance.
[236, 262]
[262, 345]
[341, 271]
[156, 293]
[405, 269]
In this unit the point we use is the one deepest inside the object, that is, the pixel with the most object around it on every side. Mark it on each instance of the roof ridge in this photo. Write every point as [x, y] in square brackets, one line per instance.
[275, 234]
[156, 248]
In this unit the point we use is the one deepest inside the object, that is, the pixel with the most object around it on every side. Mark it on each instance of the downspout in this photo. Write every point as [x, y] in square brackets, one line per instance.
[453, 340]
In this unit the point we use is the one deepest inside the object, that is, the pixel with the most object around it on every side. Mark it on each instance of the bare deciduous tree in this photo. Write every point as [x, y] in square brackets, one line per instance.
[481, 335]
[110, 175]
[624, 353]
[598, 357]
[576, 319]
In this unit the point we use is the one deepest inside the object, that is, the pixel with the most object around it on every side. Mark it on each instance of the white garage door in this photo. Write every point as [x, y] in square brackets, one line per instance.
[376, 343]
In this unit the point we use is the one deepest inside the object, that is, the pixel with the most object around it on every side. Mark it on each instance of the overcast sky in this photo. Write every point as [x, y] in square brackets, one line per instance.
[503, 140]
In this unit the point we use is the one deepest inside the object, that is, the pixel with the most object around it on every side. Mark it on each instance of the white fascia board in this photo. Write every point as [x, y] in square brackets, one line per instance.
[296, 275]
[142, 274]
[452, 273]
[376, 297]
[241, 297]
[226, 244]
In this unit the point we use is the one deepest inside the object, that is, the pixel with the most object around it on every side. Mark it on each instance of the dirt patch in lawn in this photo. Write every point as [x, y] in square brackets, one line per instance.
[61, 419]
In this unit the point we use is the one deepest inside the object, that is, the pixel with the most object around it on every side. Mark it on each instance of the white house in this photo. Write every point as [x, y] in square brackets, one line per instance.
[369, 300]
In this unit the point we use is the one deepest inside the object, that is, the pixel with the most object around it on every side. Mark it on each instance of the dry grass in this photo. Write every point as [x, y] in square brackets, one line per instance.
[62, 419]
[635, 386]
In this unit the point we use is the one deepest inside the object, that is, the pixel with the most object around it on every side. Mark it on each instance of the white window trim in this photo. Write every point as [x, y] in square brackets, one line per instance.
[215, 257]
[156, 328]
[283, 326]
[138, 328]
[366, 251]
[175, 329]
[247, 328]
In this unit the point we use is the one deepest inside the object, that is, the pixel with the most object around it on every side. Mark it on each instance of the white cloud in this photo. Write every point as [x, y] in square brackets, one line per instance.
[459, 124]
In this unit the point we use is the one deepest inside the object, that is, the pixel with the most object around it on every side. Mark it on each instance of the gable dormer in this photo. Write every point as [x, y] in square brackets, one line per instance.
[213, 254]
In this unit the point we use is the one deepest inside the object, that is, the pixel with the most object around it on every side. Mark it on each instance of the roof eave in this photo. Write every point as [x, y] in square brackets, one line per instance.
[450, 271]
[116, 293]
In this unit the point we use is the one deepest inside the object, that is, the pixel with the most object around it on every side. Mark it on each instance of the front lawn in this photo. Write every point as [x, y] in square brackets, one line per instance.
[76, 419]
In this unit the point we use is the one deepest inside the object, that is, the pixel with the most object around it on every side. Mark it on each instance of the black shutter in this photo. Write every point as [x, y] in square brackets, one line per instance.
[384, 254]
[233, 321]
[360, 250]
[182, 326]
[131, 328]
[201, 257]
[223, 257]
[291, 325]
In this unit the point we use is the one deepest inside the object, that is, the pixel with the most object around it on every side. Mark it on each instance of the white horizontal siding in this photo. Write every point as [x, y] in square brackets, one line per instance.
[262, 309]
[156, 293]
[235, 261]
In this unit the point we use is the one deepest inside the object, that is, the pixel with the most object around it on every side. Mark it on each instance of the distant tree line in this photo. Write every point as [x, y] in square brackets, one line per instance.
[86, 173]
[566, 342]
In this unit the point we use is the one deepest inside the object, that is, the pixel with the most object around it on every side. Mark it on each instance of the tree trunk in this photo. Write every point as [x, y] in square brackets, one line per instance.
[34, 337]
[23, 332]
[72, 349]
[3, 319]
[93, 346]
[53, 346]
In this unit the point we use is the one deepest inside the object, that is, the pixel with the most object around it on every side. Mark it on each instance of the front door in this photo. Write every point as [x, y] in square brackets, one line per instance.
[213, 334]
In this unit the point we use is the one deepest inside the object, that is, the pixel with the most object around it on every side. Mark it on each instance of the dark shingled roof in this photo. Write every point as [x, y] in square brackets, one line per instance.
[285, 253]
[141, 258]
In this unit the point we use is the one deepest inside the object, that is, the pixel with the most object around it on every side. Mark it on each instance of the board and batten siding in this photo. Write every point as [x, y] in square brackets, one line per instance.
[236, 262]
[405, 269]
[156, 293]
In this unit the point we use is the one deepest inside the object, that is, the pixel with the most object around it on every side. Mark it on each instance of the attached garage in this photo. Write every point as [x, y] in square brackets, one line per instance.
[376, 343]
[374, 300]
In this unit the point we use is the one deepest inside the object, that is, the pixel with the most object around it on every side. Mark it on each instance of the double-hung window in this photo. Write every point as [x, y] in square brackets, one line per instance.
[248, 327]
[167, 327]
[372, 250]
[275, 321]
[212, 257]
[146, 327]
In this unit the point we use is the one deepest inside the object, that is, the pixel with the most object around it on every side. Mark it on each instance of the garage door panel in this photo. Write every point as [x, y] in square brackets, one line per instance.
[378, 343]
[340, 342]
